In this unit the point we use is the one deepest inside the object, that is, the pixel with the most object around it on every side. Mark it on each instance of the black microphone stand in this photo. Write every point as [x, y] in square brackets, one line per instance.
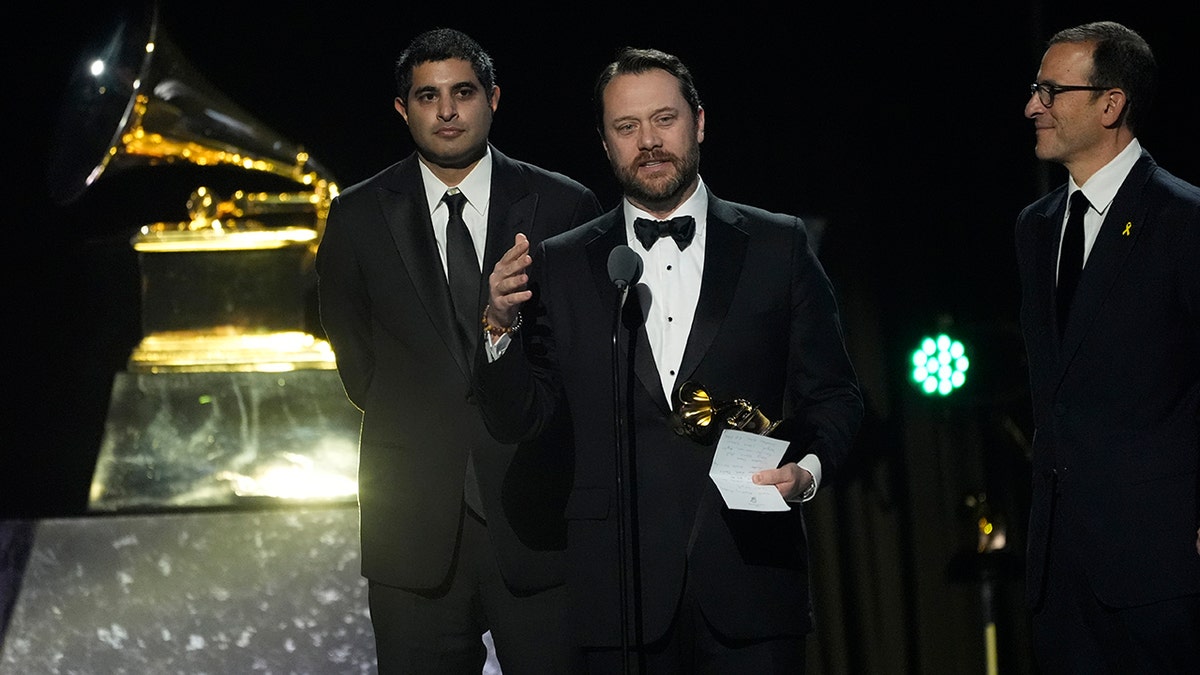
[624, 269]
[619, 421]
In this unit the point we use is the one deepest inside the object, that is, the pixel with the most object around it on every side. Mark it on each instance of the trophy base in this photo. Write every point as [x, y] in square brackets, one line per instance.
[204, 439]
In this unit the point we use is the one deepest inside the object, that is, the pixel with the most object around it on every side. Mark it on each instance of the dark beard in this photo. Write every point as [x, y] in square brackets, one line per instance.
[664, 196]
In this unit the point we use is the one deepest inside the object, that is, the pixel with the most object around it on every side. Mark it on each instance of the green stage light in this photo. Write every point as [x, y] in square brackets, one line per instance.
[940, 365]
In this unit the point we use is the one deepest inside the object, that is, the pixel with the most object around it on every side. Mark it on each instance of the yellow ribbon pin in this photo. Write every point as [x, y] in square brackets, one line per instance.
[1127, 226]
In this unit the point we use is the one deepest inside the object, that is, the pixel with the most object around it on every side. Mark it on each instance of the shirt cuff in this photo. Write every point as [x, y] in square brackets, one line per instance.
[811, 464]
[496, 349]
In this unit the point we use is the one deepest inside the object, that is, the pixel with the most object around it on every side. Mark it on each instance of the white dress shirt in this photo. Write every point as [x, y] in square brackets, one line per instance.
[477, 187]
[1100, 191]
[673, 277]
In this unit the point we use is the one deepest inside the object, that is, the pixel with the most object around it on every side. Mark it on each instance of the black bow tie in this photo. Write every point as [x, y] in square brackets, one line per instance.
[679, 228]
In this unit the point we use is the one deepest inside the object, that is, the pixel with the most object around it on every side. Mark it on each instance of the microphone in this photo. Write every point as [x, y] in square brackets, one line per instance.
[624, 267]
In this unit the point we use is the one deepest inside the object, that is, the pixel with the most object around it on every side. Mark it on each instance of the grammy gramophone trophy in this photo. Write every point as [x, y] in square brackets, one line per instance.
[702, 418]
[227, 399]
[225, 289]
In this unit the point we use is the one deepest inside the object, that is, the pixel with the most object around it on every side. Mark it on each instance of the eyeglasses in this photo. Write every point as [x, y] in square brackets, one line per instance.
[1047, 92]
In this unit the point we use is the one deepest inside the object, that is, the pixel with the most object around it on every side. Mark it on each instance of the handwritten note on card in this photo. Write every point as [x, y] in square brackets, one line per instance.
[739, 455]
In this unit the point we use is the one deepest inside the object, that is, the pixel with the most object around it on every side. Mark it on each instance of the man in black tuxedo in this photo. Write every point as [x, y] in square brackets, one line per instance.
[737, 302]
[460, 534]
[1111, 322]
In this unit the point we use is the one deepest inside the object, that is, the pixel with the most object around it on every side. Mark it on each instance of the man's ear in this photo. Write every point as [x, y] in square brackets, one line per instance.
[1115, 105]
[402, 109]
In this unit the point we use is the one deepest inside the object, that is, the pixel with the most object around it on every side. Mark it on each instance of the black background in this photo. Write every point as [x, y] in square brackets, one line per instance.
[898, 126]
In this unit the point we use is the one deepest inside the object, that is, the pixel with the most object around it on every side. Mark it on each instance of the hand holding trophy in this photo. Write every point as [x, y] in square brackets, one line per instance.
[702, 419]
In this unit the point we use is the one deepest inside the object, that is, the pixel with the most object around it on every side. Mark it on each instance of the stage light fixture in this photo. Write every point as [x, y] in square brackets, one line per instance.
[939, 365]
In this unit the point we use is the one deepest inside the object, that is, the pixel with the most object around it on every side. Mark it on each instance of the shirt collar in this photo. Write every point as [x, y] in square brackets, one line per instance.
[1102, 187]
[477, 186]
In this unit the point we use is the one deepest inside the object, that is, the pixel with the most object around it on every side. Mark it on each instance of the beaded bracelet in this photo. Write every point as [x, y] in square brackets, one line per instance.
[498, 330]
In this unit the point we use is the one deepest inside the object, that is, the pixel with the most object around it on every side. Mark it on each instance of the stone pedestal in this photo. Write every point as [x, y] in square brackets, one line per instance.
[274, 591]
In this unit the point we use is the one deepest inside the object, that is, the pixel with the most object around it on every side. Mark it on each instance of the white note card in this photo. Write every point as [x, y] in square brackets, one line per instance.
[739, 455]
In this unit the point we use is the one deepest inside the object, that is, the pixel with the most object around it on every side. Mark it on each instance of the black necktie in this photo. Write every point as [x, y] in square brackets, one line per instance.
[679, 228]
[463, 274]
[462, 268]
[1070, 258]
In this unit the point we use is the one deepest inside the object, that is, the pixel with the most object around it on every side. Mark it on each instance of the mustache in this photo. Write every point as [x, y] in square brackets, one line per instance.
[655, 156]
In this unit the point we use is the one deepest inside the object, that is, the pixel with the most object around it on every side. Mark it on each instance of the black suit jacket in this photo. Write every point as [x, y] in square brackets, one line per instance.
[1117, 401]
[386, 308]
[766, 329]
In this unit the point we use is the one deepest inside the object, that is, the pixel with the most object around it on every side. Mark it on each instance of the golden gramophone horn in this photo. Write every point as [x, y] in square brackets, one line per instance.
[702, 418]
[135, 101]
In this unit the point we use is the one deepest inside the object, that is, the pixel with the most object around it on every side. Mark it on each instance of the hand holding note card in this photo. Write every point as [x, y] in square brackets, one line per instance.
[739, 455]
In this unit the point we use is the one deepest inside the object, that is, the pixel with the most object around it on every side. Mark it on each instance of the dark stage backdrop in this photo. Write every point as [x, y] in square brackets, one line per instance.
[898, 129]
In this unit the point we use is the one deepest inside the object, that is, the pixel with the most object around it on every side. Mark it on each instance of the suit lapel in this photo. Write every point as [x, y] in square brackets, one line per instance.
[1044, 228]
[632, 342]
[724, 253]
[637, 307]
[609, 233]
[404, 208]
[1049, 232]
[1118, 233]
[511, 209]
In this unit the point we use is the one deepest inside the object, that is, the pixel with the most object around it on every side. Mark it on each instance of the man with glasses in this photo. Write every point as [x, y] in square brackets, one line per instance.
[1110, 275]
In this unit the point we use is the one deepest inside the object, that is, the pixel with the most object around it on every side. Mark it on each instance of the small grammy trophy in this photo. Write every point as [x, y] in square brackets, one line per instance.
[702, 419]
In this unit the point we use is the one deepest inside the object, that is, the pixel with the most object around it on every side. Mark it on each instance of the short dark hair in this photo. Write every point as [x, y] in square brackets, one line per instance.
[631, 60]
[1121, 58]
[440, 44]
